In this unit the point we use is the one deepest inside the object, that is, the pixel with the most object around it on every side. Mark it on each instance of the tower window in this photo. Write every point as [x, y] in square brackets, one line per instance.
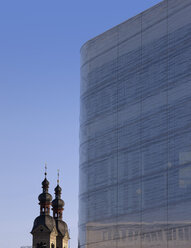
[41, 245]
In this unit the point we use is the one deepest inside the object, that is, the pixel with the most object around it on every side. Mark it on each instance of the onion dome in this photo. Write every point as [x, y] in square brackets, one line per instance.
[45, 184]
[58, 191]
[44, 201]
[45, 198]
[57, 203]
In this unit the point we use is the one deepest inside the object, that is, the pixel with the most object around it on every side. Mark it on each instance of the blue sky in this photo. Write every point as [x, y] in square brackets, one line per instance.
[39, 102]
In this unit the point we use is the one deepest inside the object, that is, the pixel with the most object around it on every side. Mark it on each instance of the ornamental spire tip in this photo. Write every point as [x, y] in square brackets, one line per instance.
[45, 173]
[58, 174]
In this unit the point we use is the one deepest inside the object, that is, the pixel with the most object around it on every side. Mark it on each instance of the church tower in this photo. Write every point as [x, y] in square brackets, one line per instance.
[44, 228]
[62, 228]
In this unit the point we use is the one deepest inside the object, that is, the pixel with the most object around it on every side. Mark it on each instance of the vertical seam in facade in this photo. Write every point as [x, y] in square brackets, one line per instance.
[88, 172]
[117, 68]
[167, 107]
[141, 98]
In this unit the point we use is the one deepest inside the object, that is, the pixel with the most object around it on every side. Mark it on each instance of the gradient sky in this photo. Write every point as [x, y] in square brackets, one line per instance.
[39, 102]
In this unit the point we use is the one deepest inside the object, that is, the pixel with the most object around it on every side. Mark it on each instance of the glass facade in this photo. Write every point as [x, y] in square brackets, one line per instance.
[135, 132]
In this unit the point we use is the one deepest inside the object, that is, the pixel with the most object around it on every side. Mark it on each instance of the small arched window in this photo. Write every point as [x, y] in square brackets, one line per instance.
[41, 245]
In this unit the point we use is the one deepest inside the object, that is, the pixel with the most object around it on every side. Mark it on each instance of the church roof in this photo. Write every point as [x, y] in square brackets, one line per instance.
[62, 228]
[44, 220]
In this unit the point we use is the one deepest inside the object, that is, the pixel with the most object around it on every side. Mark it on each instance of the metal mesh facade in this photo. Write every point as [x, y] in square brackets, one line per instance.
[135, 133]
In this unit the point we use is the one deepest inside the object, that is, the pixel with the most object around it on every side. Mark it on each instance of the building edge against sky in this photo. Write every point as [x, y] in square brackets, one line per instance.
[135, 132]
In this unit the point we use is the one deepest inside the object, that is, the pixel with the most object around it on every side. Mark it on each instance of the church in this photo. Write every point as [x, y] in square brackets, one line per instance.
[50, 231]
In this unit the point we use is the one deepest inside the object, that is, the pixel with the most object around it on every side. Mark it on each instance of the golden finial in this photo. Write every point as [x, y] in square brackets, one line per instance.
[45, 173]
[58, 174]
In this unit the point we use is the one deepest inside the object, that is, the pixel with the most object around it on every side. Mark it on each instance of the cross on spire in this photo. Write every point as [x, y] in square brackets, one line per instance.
[58, 174]
[45, 173]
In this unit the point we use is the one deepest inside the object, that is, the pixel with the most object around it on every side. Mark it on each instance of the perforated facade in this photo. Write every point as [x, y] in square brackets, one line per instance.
[135, 133]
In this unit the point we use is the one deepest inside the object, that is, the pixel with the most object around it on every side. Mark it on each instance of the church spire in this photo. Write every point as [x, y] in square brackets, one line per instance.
[58, 174]
[45, 198]
[48, 231]
[58, 203]
[45, 172]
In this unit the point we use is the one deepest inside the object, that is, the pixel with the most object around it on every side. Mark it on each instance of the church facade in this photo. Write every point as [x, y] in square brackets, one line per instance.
[50, 231]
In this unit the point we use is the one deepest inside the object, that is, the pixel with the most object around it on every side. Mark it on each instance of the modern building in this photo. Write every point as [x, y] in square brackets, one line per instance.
[48, 231]
[135, 133]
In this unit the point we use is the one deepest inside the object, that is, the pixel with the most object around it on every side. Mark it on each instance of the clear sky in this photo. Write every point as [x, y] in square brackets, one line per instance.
[40, 44]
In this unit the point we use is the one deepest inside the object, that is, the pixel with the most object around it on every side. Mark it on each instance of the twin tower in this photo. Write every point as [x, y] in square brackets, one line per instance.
[48, 231]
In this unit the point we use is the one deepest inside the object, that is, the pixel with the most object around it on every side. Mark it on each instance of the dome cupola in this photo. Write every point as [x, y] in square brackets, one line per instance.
[57, 203]
[45, 198]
